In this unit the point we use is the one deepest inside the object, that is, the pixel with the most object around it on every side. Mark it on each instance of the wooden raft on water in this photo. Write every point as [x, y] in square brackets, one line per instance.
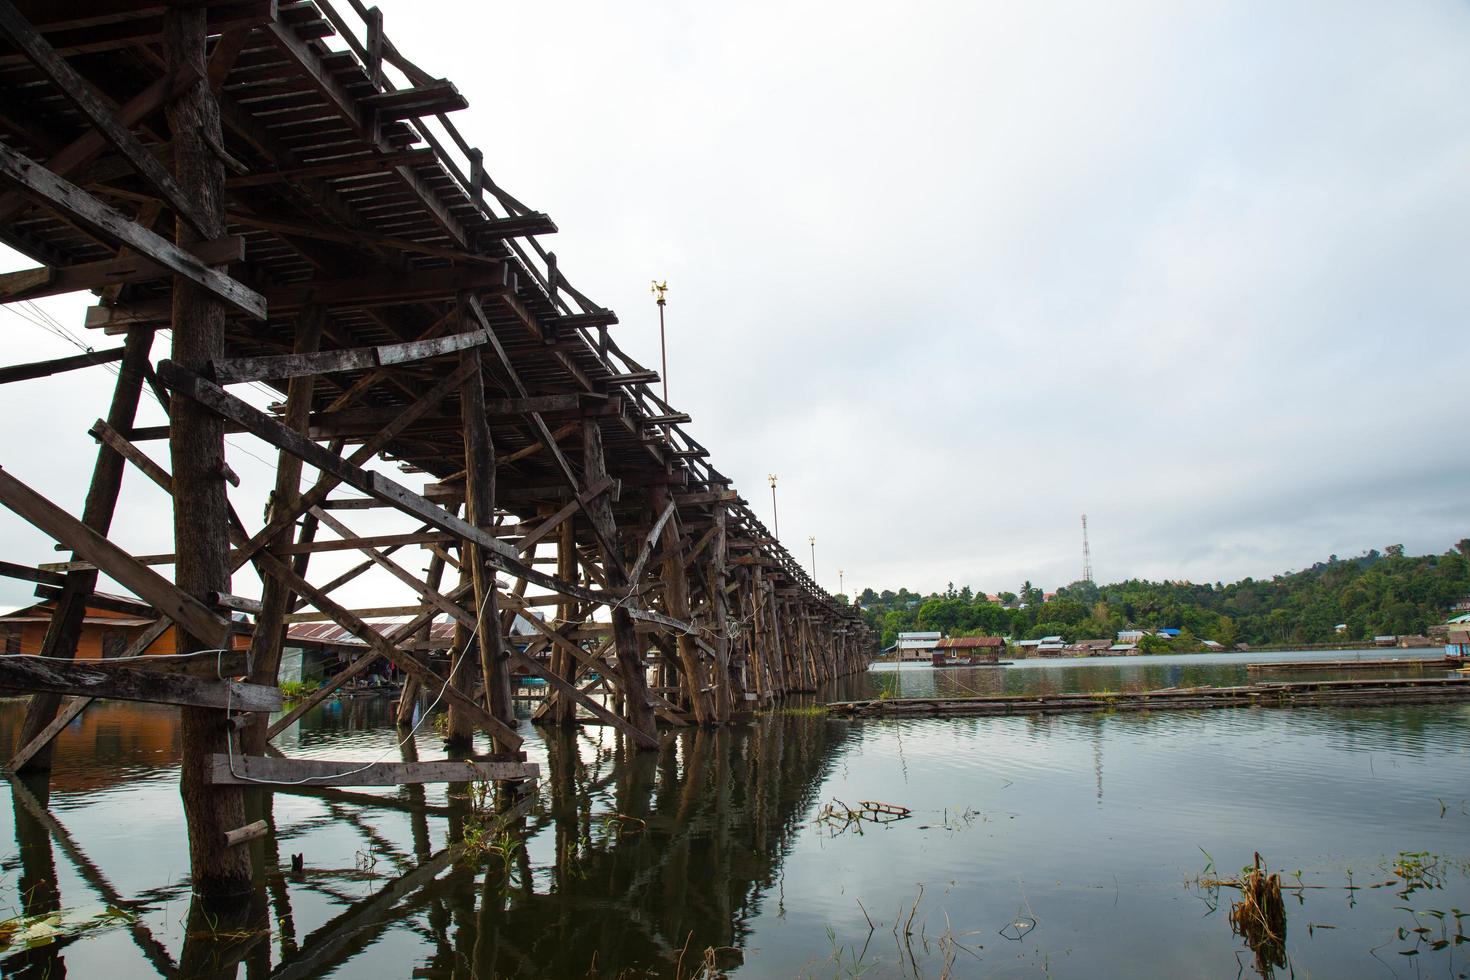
[1407, 663]
[1278, 694]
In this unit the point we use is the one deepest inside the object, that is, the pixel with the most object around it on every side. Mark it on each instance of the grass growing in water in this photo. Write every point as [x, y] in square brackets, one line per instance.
[296, 690]
[802, 711]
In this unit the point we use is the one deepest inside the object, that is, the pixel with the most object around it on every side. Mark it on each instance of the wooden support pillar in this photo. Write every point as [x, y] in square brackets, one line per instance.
[411, 684]
[731, 692]
[276, 597]
[563, 711]
[196, 446]
[66, 622]
[479, 460]
[463, 665]
[633, 679]
[694, 673]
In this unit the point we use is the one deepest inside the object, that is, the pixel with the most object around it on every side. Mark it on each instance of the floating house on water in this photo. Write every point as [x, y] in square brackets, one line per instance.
[917, 647]
[959, 650]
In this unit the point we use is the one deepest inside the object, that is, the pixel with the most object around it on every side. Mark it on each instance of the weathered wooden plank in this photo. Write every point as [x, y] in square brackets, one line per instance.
[372, 612]
[49, 281]
[103, 432]
[25, 573]
[58, 365]
[153, 588]
[636, 574]
[429, 99]
[245, 770]
[99, 679]
[336, 168]
[631, 378]
[234, 370]
[251, 831]
[76, 203]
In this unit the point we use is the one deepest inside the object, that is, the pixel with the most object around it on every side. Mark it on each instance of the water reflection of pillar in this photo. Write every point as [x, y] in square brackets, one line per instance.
[38, 889]
[561, 773]
[676, 896]
[213, 923]
[418, 820]
[268, 867]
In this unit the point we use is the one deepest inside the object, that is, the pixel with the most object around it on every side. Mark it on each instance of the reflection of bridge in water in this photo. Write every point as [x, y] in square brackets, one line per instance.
[630, 860]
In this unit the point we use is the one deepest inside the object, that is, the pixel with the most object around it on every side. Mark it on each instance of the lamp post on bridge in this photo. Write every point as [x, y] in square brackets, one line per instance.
[659, 289]
[775, 518]
[840, 589]
[813, 542]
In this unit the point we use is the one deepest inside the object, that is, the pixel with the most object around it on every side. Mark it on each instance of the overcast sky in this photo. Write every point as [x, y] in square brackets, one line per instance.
[959, 273]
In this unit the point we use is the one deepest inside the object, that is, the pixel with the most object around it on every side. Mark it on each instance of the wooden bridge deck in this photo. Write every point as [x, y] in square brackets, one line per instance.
[285, 191]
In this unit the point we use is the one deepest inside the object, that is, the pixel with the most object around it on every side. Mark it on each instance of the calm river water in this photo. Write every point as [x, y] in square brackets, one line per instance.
[1067, 846]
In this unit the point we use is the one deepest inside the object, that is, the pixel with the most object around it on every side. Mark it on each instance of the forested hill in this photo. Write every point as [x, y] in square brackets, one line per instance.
[1374, 594]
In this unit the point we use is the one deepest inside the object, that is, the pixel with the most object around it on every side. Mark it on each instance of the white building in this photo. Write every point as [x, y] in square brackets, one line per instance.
[917, 646]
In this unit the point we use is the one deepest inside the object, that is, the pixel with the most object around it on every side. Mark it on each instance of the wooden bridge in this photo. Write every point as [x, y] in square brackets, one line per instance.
[284, 190]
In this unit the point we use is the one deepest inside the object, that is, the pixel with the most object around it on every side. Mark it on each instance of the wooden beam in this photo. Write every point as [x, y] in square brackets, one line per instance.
[99, 679]
[245, 770]
[153, 588]
[375, 612]
[234, 370]
[251, 831]
[397, 637]
[12, 570]
[50, 281]
[59, 365]
[76, 203]
[540, 531]
[570, 690]
[429, 99]
[643, 554]
[373, 163]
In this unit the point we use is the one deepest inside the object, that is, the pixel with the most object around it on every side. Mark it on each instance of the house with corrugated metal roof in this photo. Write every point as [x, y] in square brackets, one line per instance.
[110, 624]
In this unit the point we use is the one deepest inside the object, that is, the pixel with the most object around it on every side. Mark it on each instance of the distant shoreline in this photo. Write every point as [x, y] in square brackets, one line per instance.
[1016, 654]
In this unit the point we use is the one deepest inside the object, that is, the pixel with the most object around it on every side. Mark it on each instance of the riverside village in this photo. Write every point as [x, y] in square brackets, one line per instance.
[535, 491]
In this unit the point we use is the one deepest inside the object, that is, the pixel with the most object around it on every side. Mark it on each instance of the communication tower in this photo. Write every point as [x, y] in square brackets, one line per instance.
[1086, 553]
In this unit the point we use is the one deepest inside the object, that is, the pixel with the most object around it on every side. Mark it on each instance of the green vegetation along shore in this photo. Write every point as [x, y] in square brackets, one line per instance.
[1374, 594]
